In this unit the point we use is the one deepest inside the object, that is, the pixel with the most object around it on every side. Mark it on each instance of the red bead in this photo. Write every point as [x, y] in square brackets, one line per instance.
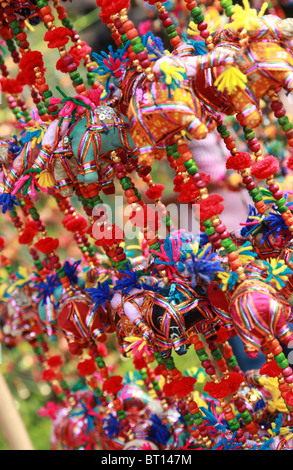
[276, 105]
[202, 26]
[280, 113]
[247, 179]
[204, 34]
[167, 22]
[220, 228]
[250, 186]
[278, 194]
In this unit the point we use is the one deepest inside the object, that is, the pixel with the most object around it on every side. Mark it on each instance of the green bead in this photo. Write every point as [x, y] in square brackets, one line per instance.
[138, 48]
[280, 357]
[229, 11]
[283, 364]
[226, 242]
[124, 39]
[245, 414]
[193, 170]
[195, 12]
[170, 29]
[73, 75]
[282, 209]
[225, 134]
[231, 248]
[217, 355]
[253, 192]
[257, 198]
[233, 422]
[172, 35]
[14, 24]
[221, 128]
[281, 202]
[208, 223]
[287, 127]
[189, 163]
[283, 120]
[210, 231]
[77, 81]
[17, 30]
[198, 421]
[225, 3]
[250, 136]
[170, 148]
[232, 361]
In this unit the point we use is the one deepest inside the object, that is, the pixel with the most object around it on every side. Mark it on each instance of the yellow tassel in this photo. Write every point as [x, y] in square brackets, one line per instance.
[45, 180]
[246, 17]
[231, 79]
[172, 72]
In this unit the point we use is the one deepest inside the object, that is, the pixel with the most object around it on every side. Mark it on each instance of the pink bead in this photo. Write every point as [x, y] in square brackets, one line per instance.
[287, 371]
[280, 113]
[254, 148]
[202, 26]
[220, 228]
[204, 34]
[289, 379]
[278, 194]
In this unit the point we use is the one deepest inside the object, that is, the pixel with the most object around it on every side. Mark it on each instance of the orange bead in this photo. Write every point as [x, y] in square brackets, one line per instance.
[232, 256]
[128, 25]
[131, 34]
[235, 264]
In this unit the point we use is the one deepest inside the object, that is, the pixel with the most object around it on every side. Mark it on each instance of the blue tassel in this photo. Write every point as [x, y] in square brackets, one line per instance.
[7, 201]
[100, 294]
[47, 288]
[112, 426]
[70, 271]
[159, 431]
[128, 281]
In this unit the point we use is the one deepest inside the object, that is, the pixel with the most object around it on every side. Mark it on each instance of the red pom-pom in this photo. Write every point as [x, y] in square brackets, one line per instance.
[80, 52]
[145, 216]
[239, 161]
[86, 367]
[61, 66]
[289, 162]
[48, 374]
[102, 349]
[183, 387]
[189, 191]
[28, 233]
[139, 362]
[289, 398]
[55, 361]
[234, 381]
[2, 243]
[113, 384]
[26, 65]
[155, 191]
[270, 368]
[222, 335]
[266, 167]
[168, 389]
[47, 245]
[75, 224]
[111, 7]
[217, 390]
[210, 206]
[57, 37]
[178, 183]
[12, 86]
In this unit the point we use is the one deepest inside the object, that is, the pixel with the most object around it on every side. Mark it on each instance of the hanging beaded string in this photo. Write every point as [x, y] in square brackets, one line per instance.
[167, 22]
[211, 371]
[202, 25]
[285, 378]
[88, 251]
[75, 38]
[21, 37]
[223, 365]
[36, 338]
[128, 32]
[214, 228]
[48, 19]
[15, 102]
[247, 179]
[188, 407]
[111, 385]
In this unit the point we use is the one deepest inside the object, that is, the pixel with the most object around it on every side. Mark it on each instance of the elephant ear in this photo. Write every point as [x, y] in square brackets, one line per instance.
[217, 297]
